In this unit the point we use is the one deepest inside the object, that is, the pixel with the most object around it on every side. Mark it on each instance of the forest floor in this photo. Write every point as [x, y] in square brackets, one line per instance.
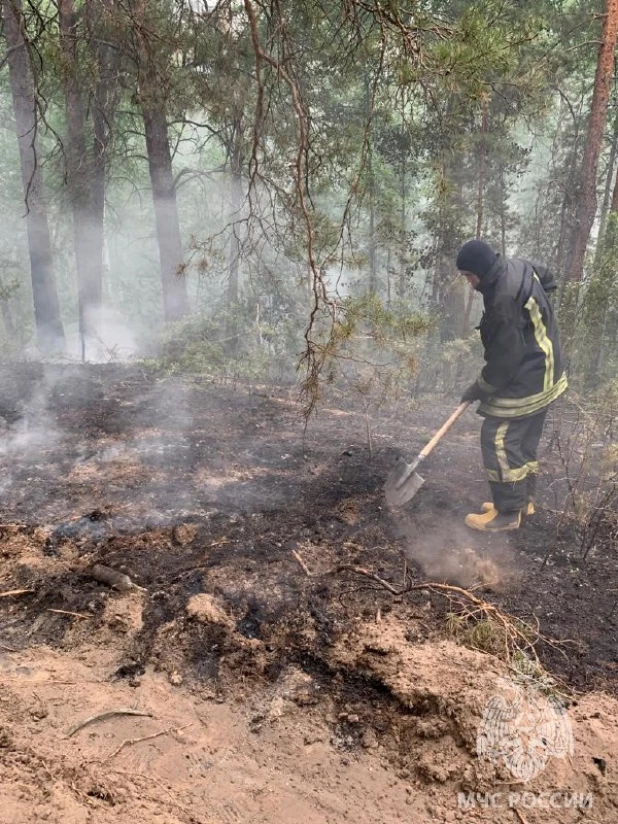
[279, 682]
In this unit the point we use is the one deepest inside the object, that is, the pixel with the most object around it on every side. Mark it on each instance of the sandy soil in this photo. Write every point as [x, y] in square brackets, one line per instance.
[284, 752]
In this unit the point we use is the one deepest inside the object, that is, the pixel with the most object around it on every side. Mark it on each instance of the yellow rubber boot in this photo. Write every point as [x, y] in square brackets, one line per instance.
[493, 521]
[528, 511]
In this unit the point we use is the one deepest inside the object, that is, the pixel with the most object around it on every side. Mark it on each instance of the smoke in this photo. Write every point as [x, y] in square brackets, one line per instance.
[75, 438]
[448, 552]
[108, 339]
[111, 339]
[26, 424]
[29, 434]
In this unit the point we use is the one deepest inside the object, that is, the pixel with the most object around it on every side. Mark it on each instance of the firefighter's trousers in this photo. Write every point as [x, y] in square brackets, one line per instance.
[509, 448]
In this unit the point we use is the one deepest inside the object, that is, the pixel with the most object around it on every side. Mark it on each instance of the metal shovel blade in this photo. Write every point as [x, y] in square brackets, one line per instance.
[402, 483]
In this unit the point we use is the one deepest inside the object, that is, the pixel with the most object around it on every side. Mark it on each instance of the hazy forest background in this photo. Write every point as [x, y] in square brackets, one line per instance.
[243, 188]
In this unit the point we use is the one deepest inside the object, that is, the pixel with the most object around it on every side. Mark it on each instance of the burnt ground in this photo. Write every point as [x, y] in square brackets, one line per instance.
[191, 487]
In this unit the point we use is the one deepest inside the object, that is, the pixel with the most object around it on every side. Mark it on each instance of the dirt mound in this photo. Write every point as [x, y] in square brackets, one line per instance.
[287, 752]
[204, 608]
[444, 692]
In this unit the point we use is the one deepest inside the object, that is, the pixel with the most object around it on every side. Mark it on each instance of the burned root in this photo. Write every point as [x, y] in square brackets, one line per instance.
[474, 621]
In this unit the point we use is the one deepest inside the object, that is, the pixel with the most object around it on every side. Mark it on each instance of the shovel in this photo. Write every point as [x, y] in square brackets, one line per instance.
[404, 481]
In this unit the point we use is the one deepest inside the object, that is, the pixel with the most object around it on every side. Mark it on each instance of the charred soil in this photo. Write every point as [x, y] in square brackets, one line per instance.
[244, 533]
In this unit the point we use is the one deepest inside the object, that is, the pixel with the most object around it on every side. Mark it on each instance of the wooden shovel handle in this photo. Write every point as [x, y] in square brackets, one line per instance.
[444, 429]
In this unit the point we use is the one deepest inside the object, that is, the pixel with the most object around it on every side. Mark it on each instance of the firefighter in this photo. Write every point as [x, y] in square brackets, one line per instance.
[522, 376]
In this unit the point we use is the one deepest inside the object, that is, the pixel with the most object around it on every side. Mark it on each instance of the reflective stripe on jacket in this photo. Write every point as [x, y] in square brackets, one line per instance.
[523, 372]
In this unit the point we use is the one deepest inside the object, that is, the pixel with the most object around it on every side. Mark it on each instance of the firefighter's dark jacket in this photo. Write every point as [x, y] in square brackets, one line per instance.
[523, 372]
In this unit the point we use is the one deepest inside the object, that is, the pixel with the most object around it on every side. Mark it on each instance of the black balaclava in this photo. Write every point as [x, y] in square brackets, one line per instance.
[476, 257]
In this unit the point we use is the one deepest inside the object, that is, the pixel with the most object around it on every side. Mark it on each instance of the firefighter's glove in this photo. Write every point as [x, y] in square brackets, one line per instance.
[473, 393]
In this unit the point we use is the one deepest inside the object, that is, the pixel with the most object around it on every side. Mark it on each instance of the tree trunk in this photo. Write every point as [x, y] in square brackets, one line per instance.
[600, 296]
[7, 317]
[388, 277]
[469, 304]
[587, 189]
[598, 312]
[566, 217]
[608, 185]
[49, 329]
[233, 284]
[103, 107]
[81, 180]
[480, 200]
[503, 197]
[169, 239]
[373, 275]
[480, 204]
[5, 310]
[175, 299]
[614, 204]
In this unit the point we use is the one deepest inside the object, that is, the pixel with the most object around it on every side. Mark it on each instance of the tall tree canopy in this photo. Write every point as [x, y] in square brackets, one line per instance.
[284, 174]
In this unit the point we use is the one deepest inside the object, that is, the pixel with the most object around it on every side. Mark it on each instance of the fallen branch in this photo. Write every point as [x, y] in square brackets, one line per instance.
[368, 574]
[513, 635]
[104, 715]
[302, 564]
[7, 648]
[14, 592]
[129, 742]
[73, 614]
